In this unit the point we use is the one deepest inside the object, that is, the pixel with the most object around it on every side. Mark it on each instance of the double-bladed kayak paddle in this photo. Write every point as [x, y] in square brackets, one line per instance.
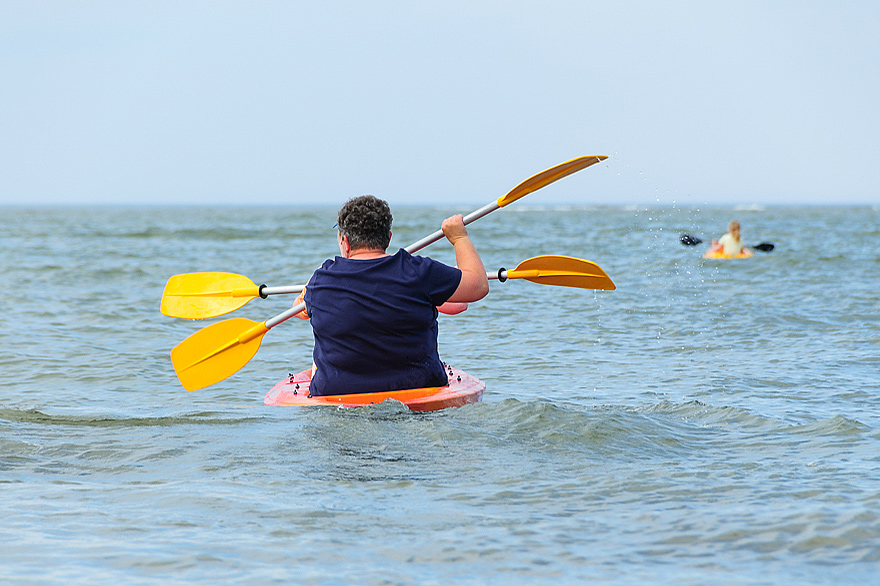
[218, 351]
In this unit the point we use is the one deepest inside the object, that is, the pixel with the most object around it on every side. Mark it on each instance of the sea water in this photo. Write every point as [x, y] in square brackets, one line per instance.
[707, 422]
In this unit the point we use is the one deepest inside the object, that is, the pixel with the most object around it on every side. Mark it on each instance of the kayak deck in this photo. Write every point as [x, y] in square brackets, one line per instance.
[461, 390]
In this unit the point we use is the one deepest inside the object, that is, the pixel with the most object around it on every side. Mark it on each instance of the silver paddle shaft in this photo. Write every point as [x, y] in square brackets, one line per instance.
[471, 217]
[266, 291]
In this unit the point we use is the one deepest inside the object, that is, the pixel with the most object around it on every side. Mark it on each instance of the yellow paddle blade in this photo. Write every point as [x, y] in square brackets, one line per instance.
[562, 271]
[202, 295]
[216, 352]
[544, 178]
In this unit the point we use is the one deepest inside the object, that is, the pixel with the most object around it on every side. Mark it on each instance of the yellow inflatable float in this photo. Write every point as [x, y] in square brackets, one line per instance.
[719, 253]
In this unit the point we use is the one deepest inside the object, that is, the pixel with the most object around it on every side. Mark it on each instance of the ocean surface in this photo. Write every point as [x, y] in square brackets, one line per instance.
[708, 422]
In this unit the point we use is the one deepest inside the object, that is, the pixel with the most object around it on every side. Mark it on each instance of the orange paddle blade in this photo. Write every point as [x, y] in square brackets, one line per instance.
[562, 271]
[544, 178]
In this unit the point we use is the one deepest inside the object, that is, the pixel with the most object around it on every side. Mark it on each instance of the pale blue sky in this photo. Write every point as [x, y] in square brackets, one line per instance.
[438, 102]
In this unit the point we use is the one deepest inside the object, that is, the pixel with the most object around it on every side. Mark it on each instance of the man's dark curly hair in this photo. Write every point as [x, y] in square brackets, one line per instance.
[366, 221]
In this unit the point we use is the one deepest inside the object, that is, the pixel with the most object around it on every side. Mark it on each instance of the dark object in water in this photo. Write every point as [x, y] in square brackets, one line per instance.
[689, 240]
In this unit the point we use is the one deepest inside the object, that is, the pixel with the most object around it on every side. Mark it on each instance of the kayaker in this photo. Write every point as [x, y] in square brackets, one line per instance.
[374, 315]
[731, 243]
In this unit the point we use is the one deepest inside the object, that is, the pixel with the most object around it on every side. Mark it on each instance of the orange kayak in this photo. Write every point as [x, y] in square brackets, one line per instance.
[461, 390]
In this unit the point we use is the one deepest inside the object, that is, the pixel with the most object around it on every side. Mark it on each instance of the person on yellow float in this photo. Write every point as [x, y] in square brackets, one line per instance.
[730, 244]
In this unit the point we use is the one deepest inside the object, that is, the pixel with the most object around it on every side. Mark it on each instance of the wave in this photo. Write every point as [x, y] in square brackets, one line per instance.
[35, 416]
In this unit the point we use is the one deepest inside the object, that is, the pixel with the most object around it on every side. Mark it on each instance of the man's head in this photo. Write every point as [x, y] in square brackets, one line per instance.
[366, 222]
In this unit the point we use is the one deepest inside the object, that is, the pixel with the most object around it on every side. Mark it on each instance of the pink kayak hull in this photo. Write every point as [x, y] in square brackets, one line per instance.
[461, 390]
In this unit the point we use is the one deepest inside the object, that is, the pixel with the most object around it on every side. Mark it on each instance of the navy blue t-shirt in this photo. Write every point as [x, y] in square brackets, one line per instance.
[375, 323]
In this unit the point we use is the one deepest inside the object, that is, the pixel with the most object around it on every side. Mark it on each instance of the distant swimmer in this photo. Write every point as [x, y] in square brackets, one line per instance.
[729, 245]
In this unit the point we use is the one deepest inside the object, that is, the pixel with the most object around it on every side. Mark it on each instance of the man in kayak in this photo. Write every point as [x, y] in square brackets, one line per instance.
[731, 243]
[374, 315]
